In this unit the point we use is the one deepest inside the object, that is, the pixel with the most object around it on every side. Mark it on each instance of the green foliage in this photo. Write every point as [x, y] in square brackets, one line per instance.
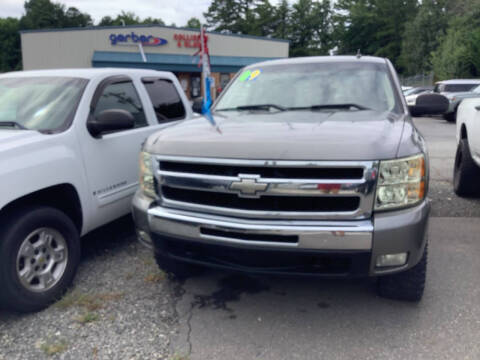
[419, 36]
[458, 55]
[193, 23]
[128, 18]
[374, 27]
[422, 36]
[9, 44]
[41, 14]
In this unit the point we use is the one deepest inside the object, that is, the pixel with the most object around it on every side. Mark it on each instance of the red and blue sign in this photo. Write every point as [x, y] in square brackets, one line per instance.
[132, 38]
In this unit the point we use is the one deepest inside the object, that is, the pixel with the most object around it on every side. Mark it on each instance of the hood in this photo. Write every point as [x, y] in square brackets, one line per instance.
[289, 135]
[13, 138]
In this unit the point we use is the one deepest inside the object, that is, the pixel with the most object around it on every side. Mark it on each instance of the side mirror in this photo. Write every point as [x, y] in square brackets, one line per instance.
[197, 105]
[429, 104]
[110, 120]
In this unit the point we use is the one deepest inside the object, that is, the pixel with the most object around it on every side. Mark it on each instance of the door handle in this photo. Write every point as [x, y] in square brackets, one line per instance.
[477, 108]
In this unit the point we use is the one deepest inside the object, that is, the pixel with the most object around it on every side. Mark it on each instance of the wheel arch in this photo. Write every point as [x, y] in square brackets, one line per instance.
[463, 132]
[63, 197]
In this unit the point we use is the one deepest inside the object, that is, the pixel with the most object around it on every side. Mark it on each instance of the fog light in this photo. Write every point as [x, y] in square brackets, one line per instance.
[144, 238]
[391, 260]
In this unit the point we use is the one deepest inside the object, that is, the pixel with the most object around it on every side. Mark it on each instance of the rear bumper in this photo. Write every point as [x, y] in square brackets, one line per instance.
[330, 248]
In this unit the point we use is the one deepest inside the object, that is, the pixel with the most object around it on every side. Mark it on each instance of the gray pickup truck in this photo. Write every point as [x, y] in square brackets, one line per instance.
[314, 167]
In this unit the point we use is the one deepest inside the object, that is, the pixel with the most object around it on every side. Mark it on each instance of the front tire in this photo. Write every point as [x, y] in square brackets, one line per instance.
[39, 256]
[408, 285]
[466, 176]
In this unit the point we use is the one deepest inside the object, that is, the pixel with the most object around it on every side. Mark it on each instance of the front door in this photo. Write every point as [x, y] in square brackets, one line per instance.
[111, 161]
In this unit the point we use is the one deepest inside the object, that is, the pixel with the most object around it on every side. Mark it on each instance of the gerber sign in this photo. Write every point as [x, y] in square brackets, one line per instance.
[132, 38]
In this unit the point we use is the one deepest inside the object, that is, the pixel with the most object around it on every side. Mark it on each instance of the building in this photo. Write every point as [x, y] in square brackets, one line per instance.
[148, 46]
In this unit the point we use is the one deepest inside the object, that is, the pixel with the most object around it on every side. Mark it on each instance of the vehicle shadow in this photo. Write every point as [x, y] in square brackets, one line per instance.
[109, 238]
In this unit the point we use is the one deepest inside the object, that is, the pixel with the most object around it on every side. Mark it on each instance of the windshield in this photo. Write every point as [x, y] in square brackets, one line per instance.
[365, 85]
[39, 103]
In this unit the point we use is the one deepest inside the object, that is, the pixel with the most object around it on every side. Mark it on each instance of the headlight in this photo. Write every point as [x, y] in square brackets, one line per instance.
[401, 183]
[147, 183]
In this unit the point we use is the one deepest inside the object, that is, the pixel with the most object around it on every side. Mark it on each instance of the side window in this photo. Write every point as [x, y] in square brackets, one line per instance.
[122, 96]
[166, 101]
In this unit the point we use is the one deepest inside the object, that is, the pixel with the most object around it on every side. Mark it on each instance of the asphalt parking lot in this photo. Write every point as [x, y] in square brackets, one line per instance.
[123, 307]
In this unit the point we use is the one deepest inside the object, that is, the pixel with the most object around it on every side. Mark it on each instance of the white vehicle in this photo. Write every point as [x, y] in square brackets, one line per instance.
[412, 94]
[466, 180]
[69, 147]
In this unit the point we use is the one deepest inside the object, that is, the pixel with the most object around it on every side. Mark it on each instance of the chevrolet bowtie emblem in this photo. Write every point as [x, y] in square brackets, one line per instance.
[248, 186]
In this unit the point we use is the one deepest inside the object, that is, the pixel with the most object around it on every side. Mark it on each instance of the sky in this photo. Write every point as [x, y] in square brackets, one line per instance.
[170, 11]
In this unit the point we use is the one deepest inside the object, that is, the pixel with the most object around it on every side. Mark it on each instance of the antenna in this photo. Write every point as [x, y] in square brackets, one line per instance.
[359, 54]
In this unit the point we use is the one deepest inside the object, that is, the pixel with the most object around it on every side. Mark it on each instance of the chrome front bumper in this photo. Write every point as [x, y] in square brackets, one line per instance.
[385, 233]
[319, 235]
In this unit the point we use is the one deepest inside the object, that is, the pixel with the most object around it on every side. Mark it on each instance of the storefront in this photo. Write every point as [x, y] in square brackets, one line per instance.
[152, 46]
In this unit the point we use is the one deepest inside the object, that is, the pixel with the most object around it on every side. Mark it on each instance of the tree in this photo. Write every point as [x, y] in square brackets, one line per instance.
[75, 18]
[124, 18]
[193, 23]
[9, 44]
[310, 28]
[422, 35]
[224, 16]
[263, 19]
[458, 52]
[375, 27]
[153, 21]
[281, 20]
[40, 14]
[232, 16]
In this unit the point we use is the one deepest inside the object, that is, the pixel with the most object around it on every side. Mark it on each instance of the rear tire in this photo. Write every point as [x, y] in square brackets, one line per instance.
[466, 176]
[39, 255]
[408, 285]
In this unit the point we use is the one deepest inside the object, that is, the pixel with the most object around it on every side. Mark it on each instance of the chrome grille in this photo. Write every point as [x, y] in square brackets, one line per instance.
[268, 189]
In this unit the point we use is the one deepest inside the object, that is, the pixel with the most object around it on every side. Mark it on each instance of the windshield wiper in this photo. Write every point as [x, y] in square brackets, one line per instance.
[331, 106]
[254, 107]
[12, 124]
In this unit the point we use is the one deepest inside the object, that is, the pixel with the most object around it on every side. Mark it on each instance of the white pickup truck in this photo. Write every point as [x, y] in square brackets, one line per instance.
[466, 178]
[69, 147]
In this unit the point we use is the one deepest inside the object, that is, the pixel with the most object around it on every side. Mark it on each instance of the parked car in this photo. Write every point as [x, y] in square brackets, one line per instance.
[450, 88]
[69, 147]
[455, 99]
[412, 94]
[466, 179]
[305, 172]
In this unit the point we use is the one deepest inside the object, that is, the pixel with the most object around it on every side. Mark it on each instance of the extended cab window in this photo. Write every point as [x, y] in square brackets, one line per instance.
[166, 101]
[122, 95]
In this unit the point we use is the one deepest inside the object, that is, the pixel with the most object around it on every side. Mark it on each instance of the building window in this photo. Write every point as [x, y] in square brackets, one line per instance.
[224, 79]
[196, 87]
[165, 99]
